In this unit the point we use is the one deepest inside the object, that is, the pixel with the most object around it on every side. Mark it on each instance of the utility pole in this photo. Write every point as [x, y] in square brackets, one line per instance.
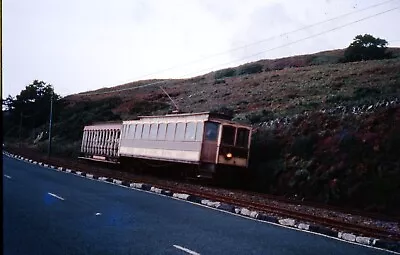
[50, 124]
[20, 129]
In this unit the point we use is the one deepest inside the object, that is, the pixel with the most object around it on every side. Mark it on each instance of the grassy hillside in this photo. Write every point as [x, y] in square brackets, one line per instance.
[282, 86]
[342, 157]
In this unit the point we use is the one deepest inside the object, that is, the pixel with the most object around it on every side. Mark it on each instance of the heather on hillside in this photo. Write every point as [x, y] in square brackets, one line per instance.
[352, 160]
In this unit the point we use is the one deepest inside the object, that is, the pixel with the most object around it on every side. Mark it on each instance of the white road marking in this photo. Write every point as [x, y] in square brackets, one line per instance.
[186, 250]
[98, 214]
[54, 195]
[7, 176]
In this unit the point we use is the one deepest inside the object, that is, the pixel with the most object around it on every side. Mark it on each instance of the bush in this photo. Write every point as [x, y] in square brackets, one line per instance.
[362, 92]
[228, 72]
[260, 116]
[338, 99]
[324, 59]
[223, 110]
[146, 107]
[250, 69]
[219, 81]
[366, 47]
[303, 146]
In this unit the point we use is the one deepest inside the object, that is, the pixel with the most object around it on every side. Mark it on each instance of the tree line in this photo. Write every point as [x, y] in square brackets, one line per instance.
[28, 110]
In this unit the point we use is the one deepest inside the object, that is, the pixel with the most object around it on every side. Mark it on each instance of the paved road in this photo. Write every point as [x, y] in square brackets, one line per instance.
[50, 212]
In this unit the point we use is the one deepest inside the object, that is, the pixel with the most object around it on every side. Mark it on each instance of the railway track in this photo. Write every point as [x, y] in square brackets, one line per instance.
[336, 224]
[328, 222]
[344, 210]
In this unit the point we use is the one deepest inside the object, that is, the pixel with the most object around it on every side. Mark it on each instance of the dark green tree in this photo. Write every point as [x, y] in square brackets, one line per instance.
[30, 109]
[366, 47]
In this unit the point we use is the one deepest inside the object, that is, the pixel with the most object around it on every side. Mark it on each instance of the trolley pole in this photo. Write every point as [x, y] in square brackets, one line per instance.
[50, 124]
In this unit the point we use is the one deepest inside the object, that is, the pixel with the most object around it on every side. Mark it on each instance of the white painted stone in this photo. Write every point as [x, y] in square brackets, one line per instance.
[205, 201]
[254, 214]
[237, 210]
[78, 172]
[348, 237]
[68, 170]
[245, 211]
[214, 204]
[30, 161]
[35, 162]
[60, 168]
[89, 176]
[45, 165]
[117, 181]
[136, 185]
[287, 222]
[155, 190]
[181, 195]
[363, 240]
[303, 226]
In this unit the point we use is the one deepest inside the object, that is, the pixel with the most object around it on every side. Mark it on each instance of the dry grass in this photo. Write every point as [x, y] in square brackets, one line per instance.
[289, 90]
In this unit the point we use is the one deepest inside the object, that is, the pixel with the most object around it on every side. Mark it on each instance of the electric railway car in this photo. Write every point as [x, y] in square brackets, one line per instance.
[206, 141]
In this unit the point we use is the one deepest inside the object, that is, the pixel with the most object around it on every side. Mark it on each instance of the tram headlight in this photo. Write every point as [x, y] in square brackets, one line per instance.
[228, 155]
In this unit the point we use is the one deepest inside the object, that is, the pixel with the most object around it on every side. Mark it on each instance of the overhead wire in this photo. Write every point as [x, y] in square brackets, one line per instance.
[247, 57]
[265, 40]
[297, 41]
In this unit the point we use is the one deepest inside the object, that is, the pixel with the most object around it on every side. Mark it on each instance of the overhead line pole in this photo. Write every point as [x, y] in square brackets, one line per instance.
[20, 130]
[50, 124]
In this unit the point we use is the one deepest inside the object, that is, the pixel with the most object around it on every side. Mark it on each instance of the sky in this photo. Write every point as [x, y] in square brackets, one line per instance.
[83, 45]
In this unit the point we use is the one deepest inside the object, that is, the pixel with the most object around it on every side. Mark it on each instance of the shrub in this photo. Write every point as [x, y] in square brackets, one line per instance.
[324, 59]
[146, 107]
[223, 110]
[303, 146]
[362, 92]
[250, 69]
[260, 116]
[228, 72]
[366, 47]
[219, 81]
[338, 99]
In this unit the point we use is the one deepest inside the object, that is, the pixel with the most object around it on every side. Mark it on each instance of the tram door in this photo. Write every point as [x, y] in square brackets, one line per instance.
[210, 142]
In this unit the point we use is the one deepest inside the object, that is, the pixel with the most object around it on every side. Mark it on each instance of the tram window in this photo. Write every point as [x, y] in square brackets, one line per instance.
[126, 131]
[138, 132]
[170, 131]
[190, 132]
[180, 131]
[123, 131]
[146, 130]
[211, 131]
[199, 131]
[162, 130]
[153, 131]
[242, 139]
[131, 132]
[228, 135]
